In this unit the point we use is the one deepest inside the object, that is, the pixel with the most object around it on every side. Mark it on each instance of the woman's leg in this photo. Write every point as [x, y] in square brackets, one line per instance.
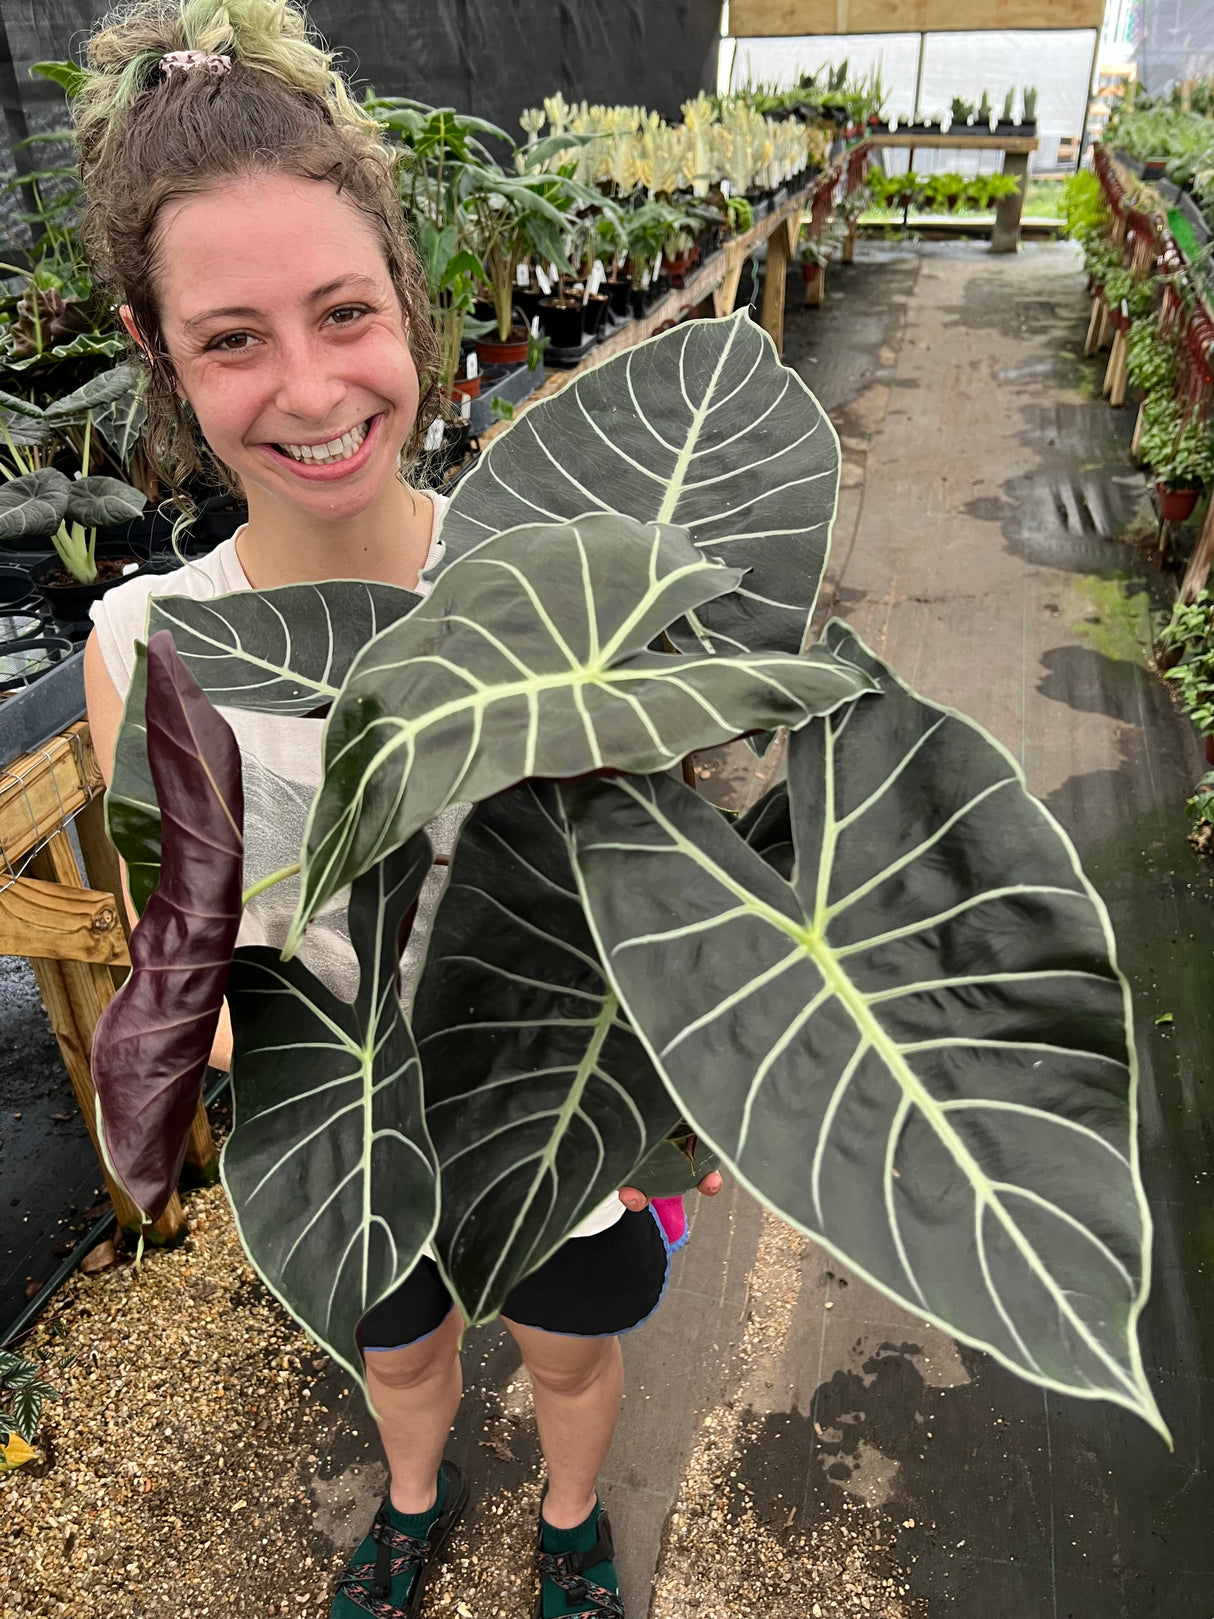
[415, 1393]
[577, 1385]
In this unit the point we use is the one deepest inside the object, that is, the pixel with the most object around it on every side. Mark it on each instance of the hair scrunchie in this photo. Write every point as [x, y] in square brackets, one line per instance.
[187, 61]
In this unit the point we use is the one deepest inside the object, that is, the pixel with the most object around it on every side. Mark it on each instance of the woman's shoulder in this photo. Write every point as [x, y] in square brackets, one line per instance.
[120, 617]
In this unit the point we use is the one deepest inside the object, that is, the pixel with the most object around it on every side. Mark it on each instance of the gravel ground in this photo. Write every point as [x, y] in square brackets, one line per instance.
[173, 1471]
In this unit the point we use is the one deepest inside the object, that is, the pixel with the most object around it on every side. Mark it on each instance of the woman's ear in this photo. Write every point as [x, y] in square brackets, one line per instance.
[133, 332]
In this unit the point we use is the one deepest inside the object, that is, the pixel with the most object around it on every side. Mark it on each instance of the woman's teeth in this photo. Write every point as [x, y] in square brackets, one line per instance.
[337, 449]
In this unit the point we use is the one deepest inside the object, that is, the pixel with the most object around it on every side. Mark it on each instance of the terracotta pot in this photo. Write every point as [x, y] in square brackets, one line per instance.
[1121, 322]
[1209, 741]
[1175, 505]
[466, 387]
[514, 352]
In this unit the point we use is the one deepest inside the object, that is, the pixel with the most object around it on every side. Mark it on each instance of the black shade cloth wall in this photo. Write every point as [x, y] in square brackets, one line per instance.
[489, 57]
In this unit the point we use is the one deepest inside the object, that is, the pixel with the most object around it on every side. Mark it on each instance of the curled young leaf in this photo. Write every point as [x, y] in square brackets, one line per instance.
[914, 1044]
[153, 1040]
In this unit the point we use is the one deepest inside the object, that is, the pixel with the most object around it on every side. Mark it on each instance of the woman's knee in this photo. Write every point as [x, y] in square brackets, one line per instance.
[565, 1365]
[413, 1365]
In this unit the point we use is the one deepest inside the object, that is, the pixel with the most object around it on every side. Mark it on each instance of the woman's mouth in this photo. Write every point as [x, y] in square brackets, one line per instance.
[335, 457]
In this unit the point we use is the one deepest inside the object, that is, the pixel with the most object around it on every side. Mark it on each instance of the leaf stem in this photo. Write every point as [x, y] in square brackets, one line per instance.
[268, 882]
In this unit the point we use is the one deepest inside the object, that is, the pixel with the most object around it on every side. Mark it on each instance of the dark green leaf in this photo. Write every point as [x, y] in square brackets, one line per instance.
[529, 659]
[103, 389]
[97, 501]
[702, 427]
[330, 1171]
[25, 1408]
[66, 75]
[33, 505]
[918, 1050]
[539, 1098]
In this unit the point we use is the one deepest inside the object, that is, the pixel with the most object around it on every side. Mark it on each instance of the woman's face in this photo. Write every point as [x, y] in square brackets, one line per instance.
[288, 340]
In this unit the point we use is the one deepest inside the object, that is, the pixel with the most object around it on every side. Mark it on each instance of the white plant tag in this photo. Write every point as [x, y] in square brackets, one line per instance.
[542, 277]
[465, 408]
[657, 266]
[724, 188]
[597, 276]
[535, 325]
[554, 275]
[646, 277]
[434, 435]
[473, 366]
[131, 567]
[522, 275]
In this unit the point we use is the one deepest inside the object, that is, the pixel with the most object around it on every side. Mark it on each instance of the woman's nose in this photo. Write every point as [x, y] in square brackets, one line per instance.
[309, 386]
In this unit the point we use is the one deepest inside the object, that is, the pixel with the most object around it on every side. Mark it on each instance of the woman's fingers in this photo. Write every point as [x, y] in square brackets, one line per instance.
[633, 1198]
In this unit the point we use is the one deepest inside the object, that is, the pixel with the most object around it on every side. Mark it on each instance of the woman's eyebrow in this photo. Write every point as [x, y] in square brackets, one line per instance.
[248, 312]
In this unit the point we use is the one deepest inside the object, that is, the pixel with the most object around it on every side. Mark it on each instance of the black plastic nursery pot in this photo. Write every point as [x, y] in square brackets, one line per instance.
[24, 662]
[618, 294]
[69, 600]
[594, 313]
[561, 319]
[15, 588]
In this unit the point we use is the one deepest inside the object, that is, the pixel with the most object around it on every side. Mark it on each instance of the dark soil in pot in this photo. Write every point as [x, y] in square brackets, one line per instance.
[561, 319]
[70, 600]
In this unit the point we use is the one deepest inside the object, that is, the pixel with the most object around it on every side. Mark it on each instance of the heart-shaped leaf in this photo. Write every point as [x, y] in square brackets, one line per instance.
[33, 505]
[17, 406]
[97, 501]
[918, 1049]
[154, 1038]
[284, 651]
[104, 389]
[539, 1098]
[280, 651]
[329, 1169]
[529, 658]
[702, 427]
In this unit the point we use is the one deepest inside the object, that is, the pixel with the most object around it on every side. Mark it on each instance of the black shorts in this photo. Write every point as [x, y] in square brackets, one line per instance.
[592, 1287]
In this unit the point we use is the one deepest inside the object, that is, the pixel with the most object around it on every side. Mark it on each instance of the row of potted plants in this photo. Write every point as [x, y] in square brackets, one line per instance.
[941, 193]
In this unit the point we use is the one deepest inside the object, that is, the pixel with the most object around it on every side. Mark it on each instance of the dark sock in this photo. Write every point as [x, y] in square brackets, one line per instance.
[579, 1539]
[418, 1524]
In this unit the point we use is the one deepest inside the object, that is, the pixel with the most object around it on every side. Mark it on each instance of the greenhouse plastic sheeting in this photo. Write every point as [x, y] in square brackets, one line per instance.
[1175, 40]
[489, 57]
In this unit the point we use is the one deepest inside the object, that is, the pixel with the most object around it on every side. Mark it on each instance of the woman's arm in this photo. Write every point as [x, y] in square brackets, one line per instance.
[105, 707]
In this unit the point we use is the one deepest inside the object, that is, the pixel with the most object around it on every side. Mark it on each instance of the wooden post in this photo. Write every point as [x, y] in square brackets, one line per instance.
[1005, 233]
[771, 313]
[75, 993]
[1094, 324]
[1198, 570]
[1136, 441]
[848, 255]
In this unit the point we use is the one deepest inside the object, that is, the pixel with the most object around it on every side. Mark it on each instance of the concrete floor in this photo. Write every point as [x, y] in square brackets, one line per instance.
[792, 1445]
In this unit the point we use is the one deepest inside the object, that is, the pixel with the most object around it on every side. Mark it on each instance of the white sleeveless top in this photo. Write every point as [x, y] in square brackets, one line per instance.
[281, 765]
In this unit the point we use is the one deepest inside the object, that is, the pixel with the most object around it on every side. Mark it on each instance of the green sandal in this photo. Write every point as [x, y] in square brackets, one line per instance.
[566, 1571]
[387, 1573]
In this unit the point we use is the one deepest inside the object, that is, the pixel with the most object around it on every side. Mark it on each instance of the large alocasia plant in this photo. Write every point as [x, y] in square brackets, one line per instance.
[887, 997]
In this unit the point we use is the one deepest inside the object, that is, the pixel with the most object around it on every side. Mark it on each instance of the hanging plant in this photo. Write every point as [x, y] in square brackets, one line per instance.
[887, 997]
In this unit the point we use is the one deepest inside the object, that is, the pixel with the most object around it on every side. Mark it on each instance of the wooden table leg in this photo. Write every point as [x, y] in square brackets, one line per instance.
[1198, 570]
[771, 313]
[75, 994]
[1005, 237]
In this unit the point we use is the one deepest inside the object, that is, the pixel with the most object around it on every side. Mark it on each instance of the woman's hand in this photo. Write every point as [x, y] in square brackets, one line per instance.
[632, 1198]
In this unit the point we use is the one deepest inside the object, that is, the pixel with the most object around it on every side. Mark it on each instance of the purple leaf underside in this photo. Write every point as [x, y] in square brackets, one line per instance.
[154, 1039]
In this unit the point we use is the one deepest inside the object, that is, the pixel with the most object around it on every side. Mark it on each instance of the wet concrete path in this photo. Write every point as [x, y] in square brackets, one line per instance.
[792, 1444]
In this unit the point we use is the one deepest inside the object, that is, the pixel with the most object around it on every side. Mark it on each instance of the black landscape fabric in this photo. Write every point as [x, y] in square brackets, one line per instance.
[489, 57]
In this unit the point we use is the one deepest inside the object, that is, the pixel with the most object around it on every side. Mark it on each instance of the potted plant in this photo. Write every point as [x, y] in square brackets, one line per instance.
[886, 997]
[1180, 454]
[962, 111]
[1030, 106]
[512, 217]
[1007, 117]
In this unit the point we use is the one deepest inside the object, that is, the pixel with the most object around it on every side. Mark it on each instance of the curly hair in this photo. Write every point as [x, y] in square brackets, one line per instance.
[147, 138]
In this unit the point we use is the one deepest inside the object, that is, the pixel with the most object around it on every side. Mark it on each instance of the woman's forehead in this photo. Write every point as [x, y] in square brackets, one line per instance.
[265, 241]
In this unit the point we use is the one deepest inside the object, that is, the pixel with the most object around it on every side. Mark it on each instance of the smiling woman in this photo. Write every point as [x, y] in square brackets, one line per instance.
[248, 223]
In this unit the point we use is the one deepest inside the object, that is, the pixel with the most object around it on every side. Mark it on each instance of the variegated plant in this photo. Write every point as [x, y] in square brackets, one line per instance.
[887, 997]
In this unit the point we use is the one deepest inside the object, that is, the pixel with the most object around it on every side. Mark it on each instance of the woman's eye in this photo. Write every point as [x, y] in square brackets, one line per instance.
[346, 315]
[231, 342]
